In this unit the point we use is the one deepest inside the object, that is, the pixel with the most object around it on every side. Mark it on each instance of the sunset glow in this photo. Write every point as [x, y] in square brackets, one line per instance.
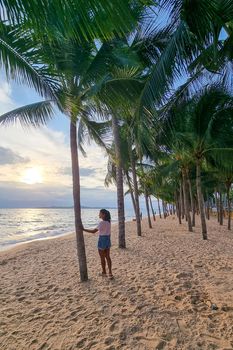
[32, 176]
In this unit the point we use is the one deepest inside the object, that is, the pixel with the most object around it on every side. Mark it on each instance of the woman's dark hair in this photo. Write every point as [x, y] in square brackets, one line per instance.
[107, 215]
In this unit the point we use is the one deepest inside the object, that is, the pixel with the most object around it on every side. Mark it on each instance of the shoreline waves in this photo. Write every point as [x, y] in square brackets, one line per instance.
[34, 224]
[171, 290]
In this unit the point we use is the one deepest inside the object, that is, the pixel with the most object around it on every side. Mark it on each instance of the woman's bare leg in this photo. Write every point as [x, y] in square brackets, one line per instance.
[102, 259]
[109, 261]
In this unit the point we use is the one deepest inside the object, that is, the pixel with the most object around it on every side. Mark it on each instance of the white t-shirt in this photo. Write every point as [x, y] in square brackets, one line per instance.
[104, 228]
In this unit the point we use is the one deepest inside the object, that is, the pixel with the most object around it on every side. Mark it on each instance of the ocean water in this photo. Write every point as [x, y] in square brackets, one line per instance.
[19, 226]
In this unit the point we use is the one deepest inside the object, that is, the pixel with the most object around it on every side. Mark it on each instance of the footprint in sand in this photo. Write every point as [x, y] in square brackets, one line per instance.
[151, 343]
[108, 340]
[114, 326]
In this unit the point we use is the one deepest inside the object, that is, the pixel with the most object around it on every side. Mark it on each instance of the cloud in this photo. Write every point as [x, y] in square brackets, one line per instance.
[86, 172]
[65, 171]
[6, 101]
[7, 156]
[16, 194]
[83, 171]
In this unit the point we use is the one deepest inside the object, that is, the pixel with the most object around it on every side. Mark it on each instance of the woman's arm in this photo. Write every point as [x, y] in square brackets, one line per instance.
[94, 230]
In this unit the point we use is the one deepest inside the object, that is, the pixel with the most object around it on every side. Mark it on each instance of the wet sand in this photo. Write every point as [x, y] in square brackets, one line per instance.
[172, 290]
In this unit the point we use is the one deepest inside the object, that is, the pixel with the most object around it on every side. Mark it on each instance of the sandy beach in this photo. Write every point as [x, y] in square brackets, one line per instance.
[172, 290]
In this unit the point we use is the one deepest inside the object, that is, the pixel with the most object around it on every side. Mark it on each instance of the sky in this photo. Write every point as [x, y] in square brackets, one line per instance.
[35, 166]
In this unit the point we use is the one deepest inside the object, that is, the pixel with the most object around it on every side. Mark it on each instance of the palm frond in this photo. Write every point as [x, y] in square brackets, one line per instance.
[111, 173]
[150, 43]
[83, 19]
[89, 129]
[33, 115]
[15, 59]
[170, 66]
[222, 156]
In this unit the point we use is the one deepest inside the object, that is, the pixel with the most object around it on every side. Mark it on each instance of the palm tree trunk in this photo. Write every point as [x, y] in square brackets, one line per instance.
[77, 205]
[164, 210]
[121, 208]
[224, 206]
[200, 199]
[136, 196]
[120, 185]
[217, 206]
[131, 191]
[186, 201]
[148, 210]
[196, 206]
[207, 206]
[178, 210]
[191, 201]
[229, 206]
[181, 200]
[173, 209]
[220, 209]
[152, 209]
[167, 209]
[159, 208]
[170, 208]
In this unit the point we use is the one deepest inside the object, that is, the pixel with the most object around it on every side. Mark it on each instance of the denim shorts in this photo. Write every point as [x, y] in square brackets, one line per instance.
[104, 242]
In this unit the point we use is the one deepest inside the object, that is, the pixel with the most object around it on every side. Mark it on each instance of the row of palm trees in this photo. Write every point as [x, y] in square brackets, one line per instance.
[191, 157]
[117, 76]
[194, 156]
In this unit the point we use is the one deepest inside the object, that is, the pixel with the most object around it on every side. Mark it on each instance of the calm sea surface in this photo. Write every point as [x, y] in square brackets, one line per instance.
[25, 225]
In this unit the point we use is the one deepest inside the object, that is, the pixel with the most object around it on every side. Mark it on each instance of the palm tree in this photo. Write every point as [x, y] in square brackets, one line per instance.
[119, 181]
[146, 182]
[186, 200]
[126, 155]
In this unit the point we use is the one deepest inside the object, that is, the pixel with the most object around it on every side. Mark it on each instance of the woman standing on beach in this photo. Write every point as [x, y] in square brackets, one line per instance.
[104, 241]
